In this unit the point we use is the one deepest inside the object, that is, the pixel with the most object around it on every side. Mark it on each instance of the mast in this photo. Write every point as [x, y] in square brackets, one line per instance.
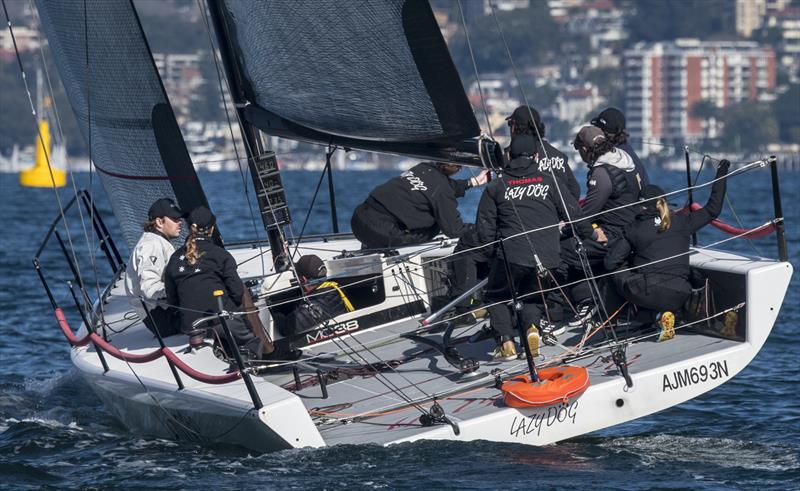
[254, 146]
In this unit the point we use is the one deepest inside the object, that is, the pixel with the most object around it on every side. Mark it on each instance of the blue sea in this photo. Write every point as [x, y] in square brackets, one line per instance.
[55, 433]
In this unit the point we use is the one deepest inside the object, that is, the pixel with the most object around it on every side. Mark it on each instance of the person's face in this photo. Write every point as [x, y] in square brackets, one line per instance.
[170, 227]
[450, 169]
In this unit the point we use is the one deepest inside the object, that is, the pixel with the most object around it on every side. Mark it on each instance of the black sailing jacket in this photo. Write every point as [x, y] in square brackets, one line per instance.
[612, 182]
[192, 285]
[559, 163]
[523, 199]
[647, 244]
[424, 198]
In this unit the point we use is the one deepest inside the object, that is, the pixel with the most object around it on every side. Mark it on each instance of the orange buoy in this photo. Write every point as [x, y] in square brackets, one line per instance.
[555, 385]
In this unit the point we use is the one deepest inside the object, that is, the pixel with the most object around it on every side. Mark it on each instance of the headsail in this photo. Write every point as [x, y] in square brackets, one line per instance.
[373, 75]
[121, 107]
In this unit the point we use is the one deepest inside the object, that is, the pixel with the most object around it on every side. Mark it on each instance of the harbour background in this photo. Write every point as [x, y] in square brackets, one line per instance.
[54, 432]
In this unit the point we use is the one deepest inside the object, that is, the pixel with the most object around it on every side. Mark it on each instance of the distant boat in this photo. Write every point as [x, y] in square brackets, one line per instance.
[375, 76]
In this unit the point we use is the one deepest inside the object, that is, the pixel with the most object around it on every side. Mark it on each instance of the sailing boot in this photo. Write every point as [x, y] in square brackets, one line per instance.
[506, 350]
[665, 322]
[534, 340]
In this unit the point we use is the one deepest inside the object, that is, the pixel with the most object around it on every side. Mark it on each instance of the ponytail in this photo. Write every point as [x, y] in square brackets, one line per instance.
[664, 213]
[193, 253]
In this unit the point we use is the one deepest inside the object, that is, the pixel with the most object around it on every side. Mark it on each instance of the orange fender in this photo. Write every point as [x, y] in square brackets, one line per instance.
[555, 385]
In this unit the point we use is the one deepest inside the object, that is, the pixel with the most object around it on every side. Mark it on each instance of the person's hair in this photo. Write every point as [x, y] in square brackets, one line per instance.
[664, 213]
[193, 253]
[595, 152]
[527, 129]
[618, 138]
[150, 226]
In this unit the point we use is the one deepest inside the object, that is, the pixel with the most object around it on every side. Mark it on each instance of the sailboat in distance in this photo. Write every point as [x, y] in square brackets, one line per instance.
[375, 76]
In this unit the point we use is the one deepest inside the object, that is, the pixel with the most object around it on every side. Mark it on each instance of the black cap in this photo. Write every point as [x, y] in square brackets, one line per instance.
[310, 266]
[522, 116]
[522, 145]
[589, 137]
[611, 120]
[202, 218]
[650, 191]
[164, 207]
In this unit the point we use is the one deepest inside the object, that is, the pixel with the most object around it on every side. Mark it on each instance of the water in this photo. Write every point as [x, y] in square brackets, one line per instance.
[55, 433]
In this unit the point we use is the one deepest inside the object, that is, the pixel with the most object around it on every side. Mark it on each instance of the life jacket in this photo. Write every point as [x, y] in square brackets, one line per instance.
[346, 301]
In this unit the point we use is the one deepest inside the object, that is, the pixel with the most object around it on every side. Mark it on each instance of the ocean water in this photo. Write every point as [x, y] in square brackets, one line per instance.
[55, 433]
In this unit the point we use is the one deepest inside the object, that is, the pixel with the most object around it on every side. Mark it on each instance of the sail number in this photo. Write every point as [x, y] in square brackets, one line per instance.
[695, 375]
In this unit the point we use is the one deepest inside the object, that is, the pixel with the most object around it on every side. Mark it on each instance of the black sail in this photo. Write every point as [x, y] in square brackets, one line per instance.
[122, 109]
[373, 75]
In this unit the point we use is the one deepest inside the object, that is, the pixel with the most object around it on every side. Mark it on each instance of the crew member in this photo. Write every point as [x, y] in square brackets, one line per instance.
[521, 200]
[414, 207]
[144, 277]
[198, 269]
[612, 187]
[324, 300]
[657, 245]
[525, 120]
[612, 122]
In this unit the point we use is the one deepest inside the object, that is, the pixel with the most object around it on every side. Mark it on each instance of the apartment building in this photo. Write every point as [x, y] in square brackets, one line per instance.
[664, 81]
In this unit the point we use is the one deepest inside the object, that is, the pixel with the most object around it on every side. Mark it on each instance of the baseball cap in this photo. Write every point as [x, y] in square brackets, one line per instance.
[522, 116]
[610, 120]
[202, 218]
[164, 207]
[589, 137]
[310, 266]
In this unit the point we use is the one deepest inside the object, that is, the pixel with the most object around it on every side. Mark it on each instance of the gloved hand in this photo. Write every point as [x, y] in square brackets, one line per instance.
[722, 167]
[480, 179]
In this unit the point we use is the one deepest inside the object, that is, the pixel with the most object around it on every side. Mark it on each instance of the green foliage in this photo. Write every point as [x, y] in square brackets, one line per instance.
[658, 20]
[17, 125]
[748, 126]
[704, 109]
[787, 113]
[532, 36]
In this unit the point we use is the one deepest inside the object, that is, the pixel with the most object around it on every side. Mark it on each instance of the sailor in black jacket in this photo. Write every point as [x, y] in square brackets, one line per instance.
[199, 268]
[413, 207]
[525, 120]
[324, 300]
[612, 122]
[657, 245]
[521, 200]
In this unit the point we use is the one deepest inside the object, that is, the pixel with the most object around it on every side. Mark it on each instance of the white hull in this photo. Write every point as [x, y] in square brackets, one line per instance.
[664, 374]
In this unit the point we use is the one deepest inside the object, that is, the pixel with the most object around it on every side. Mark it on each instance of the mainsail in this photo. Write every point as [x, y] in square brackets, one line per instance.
[371, 75]
[122, 109]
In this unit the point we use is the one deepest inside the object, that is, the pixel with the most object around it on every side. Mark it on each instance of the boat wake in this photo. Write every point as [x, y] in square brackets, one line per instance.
[723, 453]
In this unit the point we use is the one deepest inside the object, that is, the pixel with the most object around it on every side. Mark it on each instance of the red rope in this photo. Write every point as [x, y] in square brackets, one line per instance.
[100, 343]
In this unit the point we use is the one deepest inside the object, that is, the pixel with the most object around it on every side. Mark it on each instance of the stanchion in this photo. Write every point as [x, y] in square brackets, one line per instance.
[248, 381]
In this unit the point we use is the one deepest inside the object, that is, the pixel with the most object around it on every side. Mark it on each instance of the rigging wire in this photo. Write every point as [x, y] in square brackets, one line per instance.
[60, 132]
[585, 266]
[245, 187]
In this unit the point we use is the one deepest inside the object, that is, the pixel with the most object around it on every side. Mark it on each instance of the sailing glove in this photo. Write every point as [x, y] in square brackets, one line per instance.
[722, 167]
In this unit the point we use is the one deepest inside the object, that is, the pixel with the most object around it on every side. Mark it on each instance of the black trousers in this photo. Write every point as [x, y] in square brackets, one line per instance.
[654, 292]
[166, 319]
[524, 280]
[571, 270]
[376, 229]
[468, 268]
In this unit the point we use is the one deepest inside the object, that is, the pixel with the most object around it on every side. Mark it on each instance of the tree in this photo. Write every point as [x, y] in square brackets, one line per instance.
[704, 109]
[787, 113]
[659, 20]
[748, 127]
